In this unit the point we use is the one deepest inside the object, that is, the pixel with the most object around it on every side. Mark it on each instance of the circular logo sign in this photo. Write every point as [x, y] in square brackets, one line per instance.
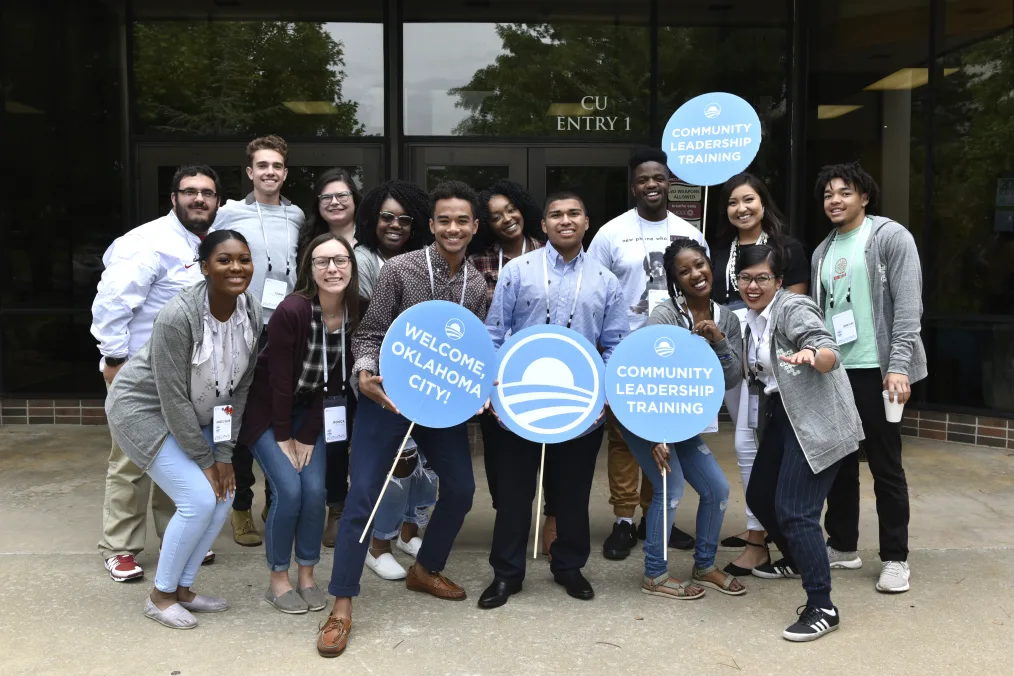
[664, 383]
[551, 384]
[711, 138]
[437, 361]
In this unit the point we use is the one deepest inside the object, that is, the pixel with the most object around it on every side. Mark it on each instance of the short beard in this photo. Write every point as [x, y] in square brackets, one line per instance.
[199, 228]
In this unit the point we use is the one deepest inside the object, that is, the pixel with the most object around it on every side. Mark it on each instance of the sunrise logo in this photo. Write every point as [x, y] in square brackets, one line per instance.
[454, 329]
[664, 347]
[712, 110]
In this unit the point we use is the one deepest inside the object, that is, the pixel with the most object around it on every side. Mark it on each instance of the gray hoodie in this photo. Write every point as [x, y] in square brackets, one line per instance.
[897, 296]
[728, 349]
[820, 406]
[150, 397]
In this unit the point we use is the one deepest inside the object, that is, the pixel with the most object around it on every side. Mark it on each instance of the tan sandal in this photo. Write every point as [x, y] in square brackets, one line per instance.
[726, 586]
[669, 587]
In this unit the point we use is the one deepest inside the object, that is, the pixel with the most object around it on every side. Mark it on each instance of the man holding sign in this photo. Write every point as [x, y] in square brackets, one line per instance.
[561, 286]
[437, 272]
[630, 246]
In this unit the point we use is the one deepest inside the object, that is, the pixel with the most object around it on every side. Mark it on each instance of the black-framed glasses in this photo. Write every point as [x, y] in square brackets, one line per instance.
[194, 192]
[762, 279]
[328, 197]
[323, 262]
[403, 220]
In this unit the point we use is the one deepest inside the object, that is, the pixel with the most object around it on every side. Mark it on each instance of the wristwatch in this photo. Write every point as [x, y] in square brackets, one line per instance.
[812, 349]
[114, 361]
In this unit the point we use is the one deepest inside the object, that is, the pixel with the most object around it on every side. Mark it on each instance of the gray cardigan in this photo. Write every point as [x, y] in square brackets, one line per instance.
[896, 292]
[820, 406]
[728, 349]
[150, 397]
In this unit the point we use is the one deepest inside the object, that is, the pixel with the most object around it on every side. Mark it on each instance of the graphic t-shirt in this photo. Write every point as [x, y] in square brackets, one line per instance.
[839, 267]
[631, 248]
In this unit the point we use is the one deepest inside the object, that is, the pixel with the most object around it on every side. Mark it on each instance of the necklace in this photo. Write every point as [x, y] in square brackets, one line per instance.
[730, 269]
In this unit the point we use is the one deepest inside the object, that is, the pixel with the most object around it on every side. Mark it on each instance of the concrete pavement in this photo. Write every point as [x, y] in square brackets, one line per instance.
[61, 614]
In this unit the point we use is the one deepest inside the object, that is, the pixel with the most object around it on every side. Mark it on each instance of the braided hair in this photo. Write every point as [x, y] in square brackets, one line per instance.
[412, 199]
[315, 225]
[669, 262]
[519, 197]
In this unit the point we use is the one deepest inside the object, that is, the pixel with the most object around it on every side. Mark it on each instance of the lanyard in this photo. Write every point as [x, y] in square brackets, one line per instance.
[545, 281]
[644, 242]
[214, 357]
[730, 268]
[264, 234]
[848, 269]
[499, 269]
[464, 282]
[689, 316]
[323, 335]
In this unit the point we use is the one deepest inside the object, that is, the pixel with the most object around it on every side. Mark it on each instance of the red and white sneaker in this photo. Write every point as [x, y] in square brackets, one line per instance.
[123, 567]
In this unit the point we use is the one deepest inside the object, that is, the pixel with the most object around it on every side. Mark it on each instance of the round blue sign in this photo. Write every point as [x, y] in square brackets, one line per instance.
[711, 138]
[664, 383]
[437, 361]
[551, 384]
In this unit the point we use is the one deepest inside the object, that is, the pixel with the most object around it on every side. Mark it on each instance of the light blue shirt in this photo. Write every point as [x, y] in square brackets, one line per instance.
[520, 298]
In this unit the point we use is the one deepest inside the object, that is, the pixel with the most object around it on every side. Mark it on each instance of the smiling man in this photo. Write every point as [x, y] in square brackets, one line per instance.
[437, 272]
[561, 285]
[629, 246]
[145, 269]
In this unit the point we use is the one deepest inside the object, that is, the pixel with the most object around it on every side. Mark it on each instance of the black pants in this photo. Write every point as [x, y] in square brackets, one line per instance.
[569, 470]
[883, 453]
[787, 497]
[493, 436]
[336, 477]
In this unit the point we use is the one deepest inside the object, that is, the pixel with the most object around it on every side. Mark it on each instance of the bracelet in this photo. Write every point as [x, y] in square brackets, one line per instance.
[816, 351]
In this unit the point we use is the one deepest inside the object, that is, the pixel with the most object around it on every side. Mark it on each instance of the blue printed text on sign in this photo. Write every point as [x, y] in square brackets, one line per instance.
[711, 138]
[551, 384]
[664, 383]
[437, 362]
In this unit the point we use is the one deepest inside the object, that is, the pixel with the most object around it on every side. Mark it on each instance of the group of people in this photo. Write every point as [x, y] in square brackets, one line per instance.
[253, 331]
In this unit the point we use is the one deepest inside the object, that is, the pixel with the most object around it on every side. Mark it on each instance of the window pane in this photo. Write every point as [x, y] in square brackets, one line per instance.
[477, 177]
[53, 355]
[240, 78]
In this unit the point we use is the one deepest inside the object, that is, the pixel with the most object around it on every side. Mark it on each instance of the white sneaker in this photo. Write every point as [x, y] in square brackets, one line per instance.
[411, 547]
[385, 566]
[894, 577]
[848, 560]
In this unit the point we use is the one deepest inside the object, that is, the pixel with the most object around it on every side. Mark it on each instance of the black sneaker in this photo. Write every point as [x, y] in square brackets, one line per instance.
[642, 530]
[775, 571]
[680, 540]
[619, 543]
[812, 624]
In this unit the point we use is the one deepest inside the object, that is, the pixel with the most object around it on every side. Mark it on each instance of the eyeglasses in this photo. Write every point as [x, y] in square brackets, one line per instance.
[342, 197]
[388, 217]
[323, 262]
[762, 280]
[194, 192]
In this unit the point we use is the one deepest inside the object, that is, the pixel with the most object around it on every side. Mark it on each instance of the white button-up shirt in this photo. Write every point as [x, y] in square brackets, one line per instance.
[759, 350]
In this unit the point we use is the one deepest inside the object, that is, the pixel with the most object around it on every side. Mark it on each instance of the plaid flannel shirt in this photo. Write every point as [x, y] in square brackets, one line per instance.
[488, 264]
[311, 379]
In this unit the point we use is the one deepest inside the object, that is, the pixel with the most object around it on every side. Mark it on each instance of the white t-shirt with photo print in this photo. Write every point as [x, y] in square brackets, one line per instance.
[631, 248]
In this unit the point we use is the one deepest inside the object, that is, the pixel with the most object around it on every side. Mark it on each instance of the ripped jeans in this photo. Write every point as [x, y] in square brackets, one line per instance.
[407, 500]
[691, 459]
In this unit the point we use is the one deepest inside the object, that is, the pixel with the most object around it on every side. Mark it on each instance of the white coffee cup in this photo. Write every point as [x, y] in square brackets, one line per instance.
[893, 409]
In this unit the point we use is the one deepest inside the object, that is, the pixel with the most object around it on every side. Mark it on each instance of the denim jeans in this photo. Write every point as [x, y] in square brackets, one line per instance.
[198, 518]
[692, 460]
[298, 509]
[407, 500]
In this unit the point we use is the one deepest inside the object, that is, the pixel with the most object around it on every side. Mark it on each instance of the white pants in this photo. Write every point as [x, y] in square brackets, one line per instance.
[737, 401]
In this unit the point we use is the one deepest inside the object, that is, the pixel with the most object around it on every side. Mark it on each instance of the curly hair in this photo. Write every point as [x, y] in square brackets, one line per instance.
[519, 197]
[853, 175]
[772, 223]
[315, 225]
[412, 199]
[669, 262]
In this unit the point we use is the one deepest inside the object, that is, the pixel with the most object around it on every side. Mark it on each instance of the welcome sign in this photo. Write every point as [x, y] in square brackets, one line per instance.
[437, 362]
[664, 383]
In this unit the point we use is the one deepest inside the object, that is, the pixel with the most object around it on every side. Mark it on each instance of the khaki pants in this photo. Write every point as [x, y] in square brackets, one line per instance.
[125, 509]
[623, 474]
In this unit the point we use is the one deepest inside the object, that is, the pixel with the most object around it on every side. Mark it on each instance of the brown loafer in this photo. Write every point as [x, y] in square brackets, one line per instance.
[333, 636]
[435, 584]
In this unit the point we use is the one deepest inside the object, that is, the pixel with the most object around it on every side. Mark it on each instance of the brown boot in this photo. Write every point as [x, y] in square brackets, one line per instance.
[243, 530]
[333, 636]
[435, 584]
[548, 534]
[334, 515]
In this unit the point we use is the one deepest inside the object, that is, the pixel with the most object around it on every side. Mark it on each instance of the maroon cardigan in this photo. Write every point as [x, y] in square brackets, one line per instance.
[279, 366]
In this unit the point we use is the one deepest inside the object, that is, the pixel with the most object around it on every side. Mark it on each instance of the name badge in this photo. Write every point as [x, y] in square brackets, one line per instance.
[655, 298]
[754, 410]
[845, 327]
[275, 291]
[222, 424]
[334, 419]
[712, 428]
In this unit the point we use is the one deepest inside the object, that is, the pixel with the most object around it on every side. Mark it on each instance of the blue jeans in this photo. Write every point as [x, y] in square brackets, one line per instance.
[298, 508]
[690, 459]
[198, 519]
[407, 500]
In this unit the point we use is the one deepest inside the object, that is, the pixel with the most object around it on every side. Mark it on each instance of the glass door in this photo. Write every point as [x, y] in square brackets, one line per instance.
[157, 162]
[479, 167]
